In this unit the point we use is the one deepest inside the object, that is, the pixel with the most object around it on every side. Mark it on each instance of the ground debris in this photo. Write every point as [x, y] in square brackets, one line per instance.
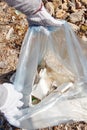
[13, 27]
[73, 11]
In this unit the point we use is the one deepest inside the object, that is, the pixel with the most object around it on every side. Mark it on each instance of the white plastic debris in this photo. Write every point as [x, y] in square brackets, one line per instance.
[41, 89]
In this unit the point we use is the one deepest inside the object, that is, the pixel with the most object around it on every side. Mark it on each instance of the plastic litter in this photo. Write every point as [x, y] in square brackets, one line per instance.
[53, 70]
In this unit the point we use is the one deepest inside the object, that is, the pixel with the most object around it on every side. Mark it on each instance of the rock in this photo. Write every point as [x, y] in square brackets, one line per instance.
[64, 6]
[74, 27]
[85, 15]
[84, 38]
[60, 14]
[50, 8]
[78, 5]
[83, 28]
[83, 20]
[77, 16]
[57, 3]
[71, 3]
[84, 1]
[64, 1]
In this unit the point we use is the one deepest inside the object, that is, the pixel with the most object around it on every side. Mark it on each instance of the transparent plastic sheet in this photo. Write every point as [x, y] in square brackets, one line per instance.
[83, 46]
[69, 101]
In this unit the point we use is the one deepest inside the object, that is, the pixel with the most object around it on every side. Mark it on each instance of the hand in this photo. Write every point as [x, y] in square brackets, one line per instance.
[12, 103]
[42, 17]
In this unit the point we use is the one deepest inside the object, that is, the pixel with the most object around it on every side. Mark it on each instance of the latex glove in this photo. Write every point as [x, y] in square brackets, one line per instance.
[35, 12]
[42, 17]
[10, 102]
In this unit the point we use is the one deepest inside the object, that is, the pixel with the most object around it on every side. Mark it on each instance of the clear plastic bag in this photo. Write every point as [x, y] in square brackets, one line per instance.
[68, 101]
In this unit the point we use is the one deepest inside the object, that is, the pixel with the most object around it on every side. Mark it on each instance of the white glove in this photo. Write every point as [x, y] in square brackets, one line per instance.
[42, 17]
[11, 104]
[35, 12]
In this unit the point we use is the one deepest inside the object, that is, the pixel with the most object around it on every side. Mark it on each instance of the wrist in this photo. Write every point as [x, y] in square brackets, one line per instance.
[39, 9]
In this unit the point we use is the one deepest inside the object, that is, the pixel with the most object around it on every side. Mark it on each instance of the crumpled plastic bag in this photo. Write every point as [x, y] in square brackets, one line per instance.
[64, 73]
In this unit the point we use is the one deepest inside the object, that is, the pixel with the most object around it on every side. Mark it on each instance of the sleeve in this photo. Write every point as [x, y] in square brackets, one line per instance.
[3, 95]
[28, 7]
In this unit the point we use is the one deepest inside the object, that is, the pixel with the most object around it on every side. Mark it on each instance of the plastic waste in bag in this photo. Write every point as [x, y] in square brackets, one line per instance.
[52, 75]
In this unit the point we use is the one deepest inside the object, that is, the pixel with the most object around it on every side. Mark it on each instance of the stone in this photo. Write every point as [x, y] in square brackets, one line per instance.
[71, 3]
[74, 27]
[60, 14]
[77, 16]
[78, 4]
[71, 6]
[57, 3]
[84, 38]
[84, 2]
[64, 6]
[83, 28]
[50, 8]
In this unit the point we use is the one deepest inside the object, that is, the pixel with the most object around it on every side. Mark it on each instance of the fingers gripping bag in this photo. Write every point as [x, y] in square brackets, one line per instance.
[52, 75]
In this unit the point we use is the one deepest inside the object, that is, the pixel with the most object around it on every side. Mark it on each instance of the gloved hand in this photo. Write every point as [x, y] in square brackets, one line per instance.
[35, 12]
[10, 102]
[42, 17]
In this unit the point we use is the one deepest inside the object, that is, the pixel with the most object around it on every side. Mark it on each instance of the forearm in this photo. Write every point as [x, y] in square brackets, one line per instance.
[28, 7]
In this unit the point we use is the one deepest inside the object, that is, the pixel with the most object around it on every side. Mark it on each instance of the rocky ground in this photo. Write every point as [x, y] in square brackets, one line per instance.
[12, 30]
[13, 26]
[74, 11]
